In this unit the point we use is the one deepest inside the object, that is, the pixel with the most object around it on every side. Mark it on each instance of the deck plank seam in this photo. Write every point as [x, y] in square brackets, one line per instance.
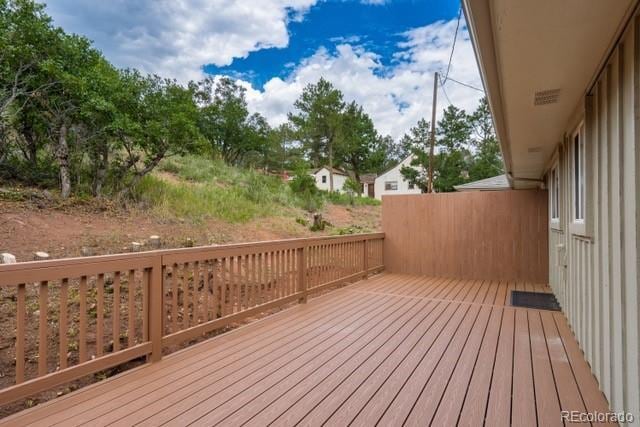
[391, 354]
[475, 360]
[493, 368]
[422, 358]
[466, 340]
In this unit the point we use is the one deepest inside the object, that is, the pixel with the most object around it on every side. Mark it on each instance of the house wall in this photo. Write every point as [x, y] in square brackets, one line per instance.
[394, 175]
[594, 271]
[496, 235]
[338, 180]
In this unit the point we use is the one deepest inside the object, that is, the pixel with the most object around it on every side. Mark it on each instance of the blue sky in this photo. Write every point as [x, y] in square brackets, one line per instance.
[377, 27]
[380, 53]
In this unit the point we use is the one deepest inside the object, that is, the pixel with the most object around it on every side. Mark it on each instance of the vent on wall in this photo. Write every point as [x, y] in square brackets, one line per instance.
[545, 97]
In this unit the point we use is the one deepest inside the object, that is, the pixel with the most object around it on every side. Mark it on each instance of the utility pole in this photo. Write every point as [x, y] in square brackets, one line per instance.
[433, 132]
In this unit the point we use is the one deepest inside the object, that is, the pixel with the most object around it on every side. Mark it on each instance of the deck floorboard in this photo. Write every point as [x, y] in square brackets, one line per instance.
[391, 350]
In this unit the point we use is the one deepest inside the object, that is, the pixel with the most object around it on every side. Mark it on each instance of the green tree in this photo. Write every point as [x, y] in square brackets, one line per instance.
[317, 122]
[161, 121]
[358, 138]
[416, 143]
[487, 161]
[226, 123]
[452, 159]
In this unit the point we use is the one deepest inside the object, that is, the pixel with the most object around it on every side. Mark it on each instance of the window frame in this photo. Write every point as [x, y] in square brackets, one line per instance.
[324, 179]
[387, 185]
[555, 199]
[578, 180]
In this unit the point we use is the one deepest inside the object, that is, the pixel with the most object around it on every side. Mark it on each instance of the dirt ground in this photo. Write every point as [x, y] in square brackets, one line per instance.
[63, 229]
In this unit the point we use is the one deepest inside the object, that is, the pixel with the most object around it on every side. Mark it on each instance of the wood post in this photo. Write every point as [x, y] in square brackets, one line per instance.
[302, 274]
[365, 258]
[155, 309]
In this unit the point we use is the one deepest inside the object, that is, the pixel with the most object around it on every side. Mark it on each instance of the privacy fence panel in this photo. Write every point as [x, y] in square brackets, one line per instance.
[498, 235]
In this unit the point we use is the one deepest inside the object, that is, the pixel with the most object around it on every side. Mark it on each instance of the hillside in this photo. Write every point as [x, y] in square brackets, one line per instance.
[186, 198]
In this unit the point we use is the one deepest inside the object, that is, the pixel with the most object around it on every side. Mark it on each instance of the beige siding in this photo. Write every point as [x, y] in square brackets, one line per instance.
[597, 279]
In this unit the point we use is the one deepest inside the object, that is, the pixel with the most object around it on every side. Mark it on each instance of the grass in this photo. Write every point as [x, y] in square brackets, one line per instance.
[212, 189]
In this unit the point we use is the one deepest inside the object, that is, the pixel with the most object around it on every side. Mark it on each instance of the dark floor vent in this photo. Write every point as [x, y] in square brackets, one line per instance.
[539, 300]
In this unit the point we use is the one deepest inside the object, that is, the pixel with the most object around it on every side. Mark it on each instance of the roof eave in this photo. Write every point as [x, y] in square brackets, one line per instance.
[478, 17]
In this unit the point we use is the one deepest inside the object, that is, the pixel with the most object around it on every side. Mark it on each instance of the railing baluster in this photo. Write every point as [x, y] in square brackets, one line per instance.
[196, 292]
[116, 311]
[82, 337]
[156, 306]
[184, 280]
[131, 316]
[100, 315]
[238, 282]
[63, 328]
[145, 305]
[260, 279]
[20, 332]
[174, 298]
[205, 291]
[43, 296]
[223, 285]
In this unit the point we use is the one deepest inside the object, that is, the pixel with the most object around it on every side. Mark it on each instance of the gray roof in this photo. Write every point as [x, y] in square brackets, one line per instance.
[499, 182]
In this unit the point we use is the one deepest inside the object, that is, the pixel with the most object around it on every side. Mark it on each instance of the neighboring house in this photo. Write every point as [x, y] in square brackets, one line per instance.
[392, 182]
[562, 79]
[322, 178]
[495, 183]
[368, 184]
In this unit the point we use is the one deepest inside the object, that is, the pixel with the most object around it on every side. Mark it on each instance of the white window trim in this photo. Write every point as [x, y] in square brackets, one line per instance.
[577, 225]
[555, 193]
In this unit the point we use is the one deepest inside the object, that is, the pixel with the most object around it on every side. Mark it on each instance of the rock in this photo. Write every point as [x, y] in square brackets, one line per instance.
[86, 251]
[40, 256]
[7, 258]
[154, 241]
[136, 246]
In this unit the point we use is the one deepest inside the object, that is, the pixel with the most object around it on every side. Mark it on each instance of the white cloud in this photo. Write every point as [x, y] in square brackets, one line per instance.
[395, 97]
[176, 38]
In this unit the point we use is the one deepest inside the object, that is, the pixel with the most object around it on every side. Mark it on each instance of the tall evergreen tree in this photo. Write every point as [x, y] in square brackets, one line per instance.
[317, 121]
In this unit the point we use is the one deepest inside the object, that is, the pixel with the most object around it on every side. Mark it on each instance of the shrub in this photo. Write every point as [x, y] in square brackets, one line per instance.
[303, 183]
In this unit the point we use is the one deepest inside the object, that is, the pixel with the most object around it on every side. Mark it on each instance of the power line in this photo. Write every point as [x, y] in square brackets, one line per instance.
[466, 85]
[453, 46]
[445, 92]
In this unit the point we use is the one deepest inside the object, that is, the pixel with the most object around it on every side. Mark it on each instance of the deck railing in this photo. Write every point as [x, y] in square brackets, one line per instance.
[68, 318]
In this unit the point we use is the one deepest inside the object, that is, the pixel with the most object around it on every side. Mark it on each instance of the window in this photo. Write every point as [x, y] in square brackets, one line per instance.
[578, 187]
[554, 194]
[391, 185]
[324, 179]
[411, 186]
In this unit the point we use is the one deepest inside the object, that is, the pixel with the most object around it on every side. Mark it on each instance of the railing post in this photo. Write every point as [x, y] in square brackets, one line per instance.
[155, 309]
[302, 273]
[365, 258]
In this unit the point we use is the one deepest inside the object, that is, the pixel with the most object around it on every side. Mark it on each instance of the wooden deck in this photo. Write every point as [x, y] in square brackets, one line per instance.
[391, 350]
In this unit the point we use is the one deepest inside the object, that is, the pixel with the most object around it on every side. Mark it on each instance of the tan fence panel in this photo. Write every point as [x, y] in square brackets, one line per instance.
[499, 235]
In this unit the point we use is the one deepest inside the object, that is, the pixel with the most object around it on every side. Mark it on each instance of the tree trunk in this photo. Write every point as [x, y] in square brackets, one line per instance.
[62, 156]
[330, 167]
[141, 174]
[102, 162]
